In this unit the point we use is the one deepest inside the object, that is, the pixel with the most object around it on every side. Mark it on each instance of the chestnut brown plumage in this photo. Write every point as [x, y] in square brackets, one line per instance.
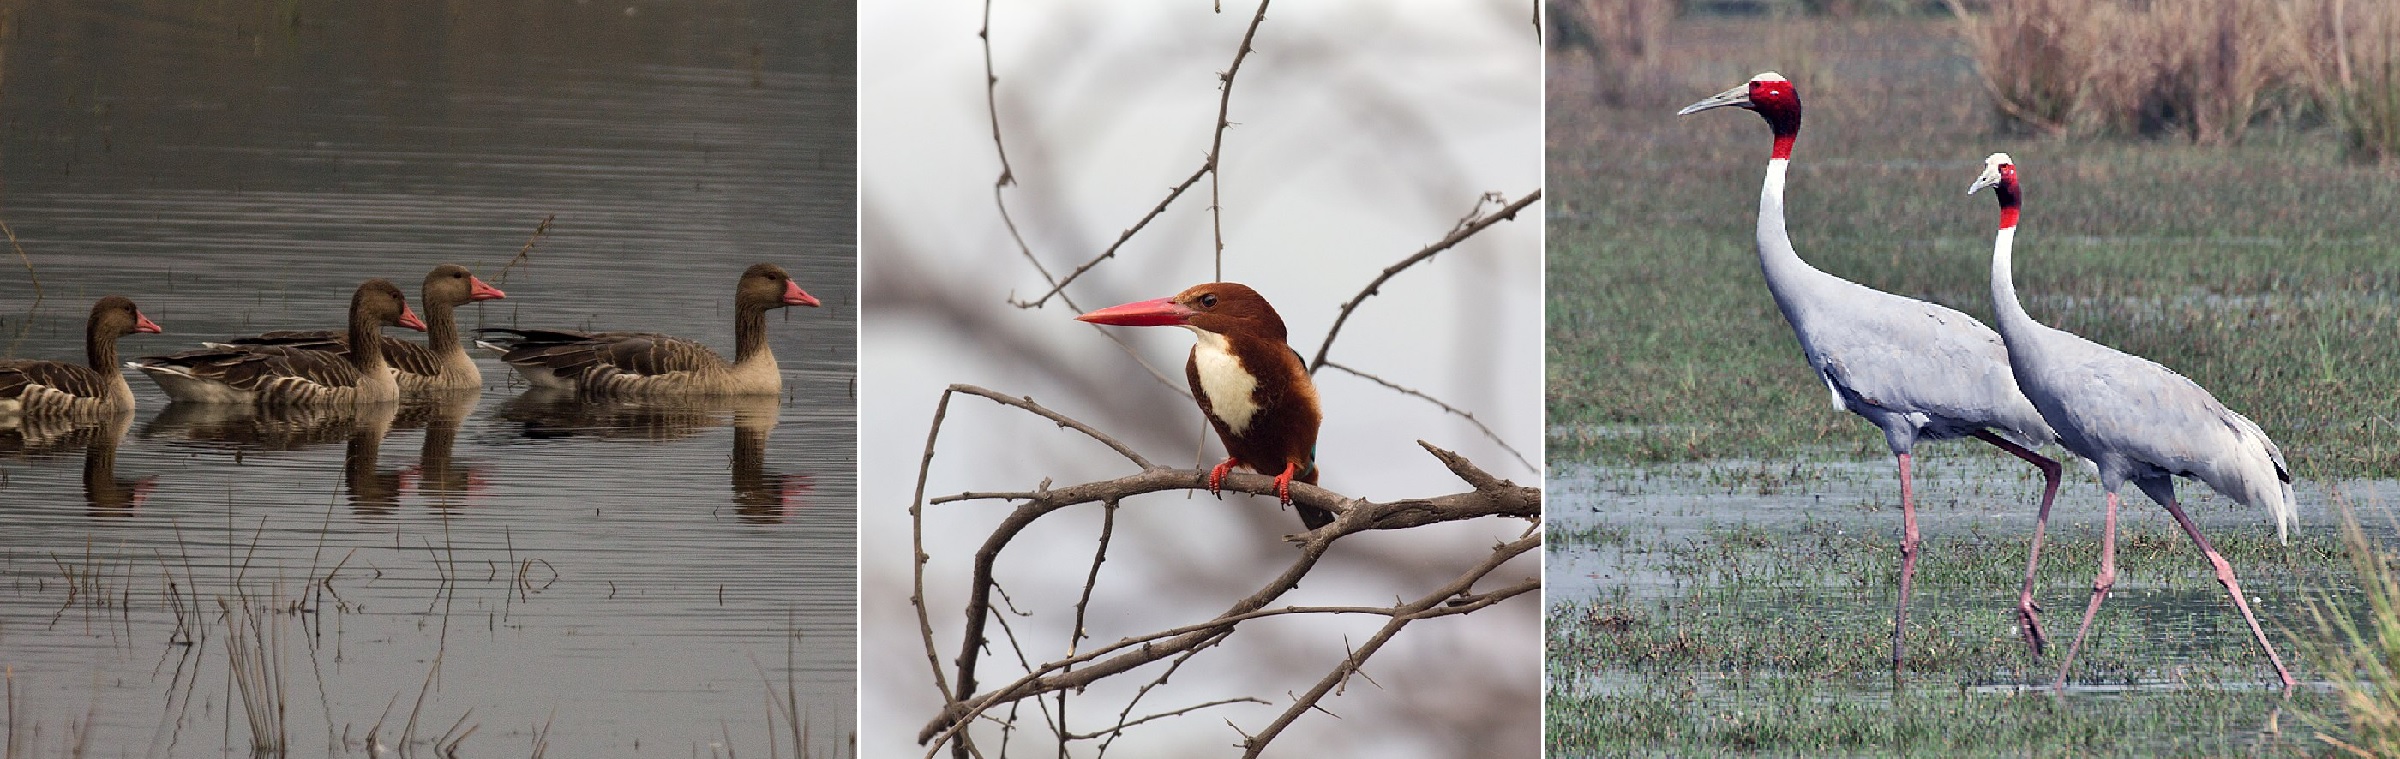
[1251, 385]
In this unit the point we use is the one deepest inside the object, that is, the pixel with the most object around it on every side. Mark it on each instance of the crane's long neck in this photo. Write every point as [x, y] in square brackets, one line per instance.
[2009, 315]
[1776, 256]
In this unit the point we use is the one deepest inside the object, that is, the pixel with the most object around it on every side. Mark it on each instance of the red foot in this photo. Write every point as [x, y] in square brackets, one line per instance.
[1283, 483]
[1216, 478]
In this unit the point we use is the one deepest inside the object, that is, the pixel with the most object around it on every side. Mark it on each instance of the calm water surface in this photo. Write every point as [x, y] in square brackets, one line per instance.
[618, 579]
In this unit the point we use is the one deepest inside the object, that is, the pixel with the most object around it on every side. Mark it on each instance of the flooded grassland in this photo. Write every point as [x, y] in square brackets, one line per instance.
[1723, 547]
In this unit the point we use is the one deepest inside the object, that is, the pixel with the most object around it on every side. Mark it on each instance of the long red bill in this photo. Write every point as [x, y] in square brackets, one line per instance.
[794, 296]
[477, 290]
[144, 324]
[408, 318]
[1163, 312]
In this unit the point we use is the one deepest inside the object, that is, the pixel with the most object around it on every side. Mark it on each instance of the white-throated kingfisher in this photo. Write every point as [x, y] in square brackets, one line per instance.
[1250, 383]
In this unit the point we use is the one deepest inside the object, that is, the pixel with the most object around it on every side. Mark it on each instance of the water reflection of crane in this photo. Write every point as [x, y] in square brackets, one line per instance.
[758, 494]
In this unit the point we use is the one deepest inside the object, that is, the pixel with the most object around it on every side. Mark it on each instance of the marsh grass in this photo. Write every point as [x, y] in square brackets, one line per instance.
[1772, 640]
[254, 655]
[2358, 649]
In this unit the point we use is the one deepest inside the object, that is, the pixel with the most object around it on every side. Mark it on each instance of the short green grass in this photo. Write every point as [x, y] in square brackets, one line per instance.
[2268, 272]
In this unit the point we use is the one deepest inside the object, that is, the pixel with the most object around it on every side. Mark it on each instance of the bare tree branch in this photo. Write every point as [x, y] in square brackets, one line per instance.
[1469, 416]
[1216, 146]
[1122, 237]
[1467, 227]
[1492, 496]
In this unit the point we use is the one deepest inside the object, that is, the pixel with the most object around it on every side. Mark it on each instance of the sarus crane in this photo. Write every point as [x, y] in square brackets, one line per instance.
[1917, 370]
[2134, 420]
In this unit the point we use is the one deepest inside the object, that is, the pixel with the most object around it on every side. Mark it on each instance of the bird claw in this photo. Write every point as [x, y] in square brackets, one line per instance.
[1216, 478]
[1283, 485]
[2029, 624]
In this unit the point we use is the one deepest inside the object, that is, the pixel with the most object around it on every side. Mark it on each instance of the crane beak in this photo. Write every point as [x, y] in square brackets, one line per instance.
[1738, 96]
[1163, 312]
[1990, 178]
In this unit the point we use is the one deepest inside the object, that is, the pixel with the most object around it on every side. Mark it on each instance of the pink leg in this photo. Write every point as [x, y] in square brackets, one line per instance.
[2225, 577]
[2100, 586]
[2029, 622]
[1908, 560]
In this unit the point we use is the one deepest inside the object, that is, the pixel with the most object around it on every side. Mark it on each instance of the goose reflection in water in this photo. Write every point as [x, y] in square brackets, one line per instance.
[97, 437]
[759, 496]
[246, 430]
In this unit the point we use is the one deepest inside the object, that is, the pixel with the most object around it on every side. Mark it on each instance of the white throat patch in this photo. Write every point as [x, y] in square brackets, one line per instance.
[1230, 387]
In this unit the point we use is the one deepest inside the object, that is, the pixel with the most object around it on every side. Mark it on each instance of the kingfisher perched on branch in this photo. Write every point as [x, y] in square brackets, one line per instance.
[1250, 383]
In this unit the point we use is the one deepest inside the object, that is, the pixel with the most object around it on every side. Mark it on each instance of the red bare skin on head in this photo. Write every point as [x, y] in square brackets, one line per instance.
[2007, 192]
[1779, 103]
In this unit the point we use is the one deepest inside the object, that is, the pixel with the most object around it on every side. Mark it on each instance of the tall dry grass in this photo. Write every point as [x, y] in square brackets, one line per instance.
[2350, 58]
[2203, 70]
[1622, 39]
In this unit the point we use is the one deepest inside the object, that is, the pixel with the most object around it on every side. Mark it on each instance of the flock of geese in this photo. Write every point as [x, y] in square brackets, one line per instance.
[1921, 371]
[359, 365]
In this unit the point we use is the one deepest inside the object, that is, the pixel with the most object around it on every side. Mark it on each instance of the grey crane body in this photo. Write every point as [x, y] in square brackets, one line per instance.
[2136, 421]
[2140, 422]
[1917, 370]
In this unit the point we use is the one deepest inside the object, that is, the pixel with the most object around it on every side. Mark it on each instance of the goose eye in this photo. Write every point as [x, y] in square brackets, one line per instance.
[1208, 300]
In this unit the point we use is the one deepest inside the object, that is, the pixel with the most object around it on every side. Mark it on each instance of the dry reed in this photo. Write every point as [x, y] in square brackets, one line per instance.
[2202, 71]
[1623, 39]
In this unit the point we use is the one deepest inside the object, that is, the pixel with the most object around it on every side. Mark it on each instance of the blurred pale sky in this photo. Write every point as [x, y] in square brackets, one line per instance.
[1364, 131]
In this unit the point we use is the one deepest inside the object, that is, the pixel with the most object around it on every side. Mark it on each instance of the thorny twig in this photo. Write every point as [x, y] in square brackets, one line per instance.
[1209, 167]
[1008, 176]
[1467, 227]
[1462, 413]
[1216, 147]
[1491, 496]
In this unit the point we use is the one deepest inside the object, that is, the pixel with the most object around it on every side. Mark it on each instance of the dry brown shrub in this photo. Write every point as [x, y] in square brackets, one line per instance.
[1622, 38]
[2033, 56]
[2200, 69]
[2348, 52]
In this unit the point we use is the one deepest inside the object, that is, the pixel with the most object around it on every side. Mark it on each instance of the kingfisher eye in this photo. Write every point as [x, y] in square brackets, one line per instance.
[1208, 300]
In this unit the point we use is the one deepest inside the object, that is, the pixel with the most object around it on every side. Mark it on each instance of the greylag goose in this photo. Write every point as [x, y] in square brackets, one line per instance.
[272, 375]
[55, 388]
[634, 364]
[438, 365]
